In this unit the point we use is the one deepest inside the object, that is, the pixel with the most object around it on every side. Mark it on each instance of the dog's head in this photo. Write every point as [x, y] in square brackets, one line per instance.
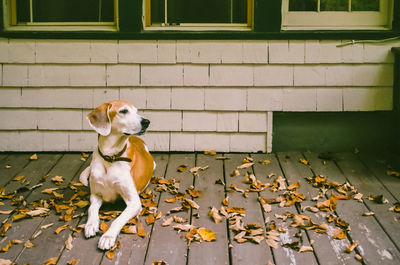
[118, 117]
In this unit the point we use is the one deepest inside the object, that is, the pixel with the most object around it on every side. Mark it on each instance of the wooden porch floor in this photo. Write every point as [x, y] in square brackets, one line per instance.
[378, 235]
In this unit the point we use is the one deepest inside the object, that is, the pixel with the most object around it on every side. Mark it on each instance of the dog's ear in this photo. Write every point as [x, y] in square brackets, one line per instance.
[99, 119]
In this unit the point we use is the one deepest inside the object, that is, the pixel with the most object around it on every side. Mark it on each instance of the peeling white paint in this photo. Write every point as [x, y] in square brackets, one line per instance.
[285, 238]
[385, 254]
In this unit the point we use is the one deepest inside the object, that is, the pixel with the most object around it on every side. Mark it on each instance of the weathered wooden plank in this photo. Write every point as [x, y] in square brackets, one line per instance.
[211, 194]
[379, 165]
[17, 163]
[245, 253]
[374, 242]
[49, 244]
[165, 243]
[24, 229]
[133, 248]
[366, 183]
[323, 247]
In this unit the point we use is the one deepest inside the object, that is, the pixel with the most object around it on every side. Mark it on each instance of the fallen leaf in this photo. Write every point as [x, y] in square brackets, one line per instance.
[85, 155]
[378, 199]
[68, 243]
[4, 230]
[183, 227]
[179, 220]
[29, 244]
[38, 212]
[358, 197]
[206, 234]
[6, 248]
[294, 186]
[35, 235]
[393, 173]
[294, 245]
[33, 157]
[103, 226]
[129, 229]
[170, 200]
[57, 179]
[72, 262]
[43, 227]
[368, 214]
[161, 262]
[16, 242]
[235, 173]
[82, 204]
[18, 217]
[225, 201]
[240, 237]
[192, 192]
[358, 258]
[306, 249]
[61, 228]
[192, 203]
[351, 247]
[167, 221]
[182, 168]
[6, 262]
[18, 178]
[211, 152]
[111, 253]
[339, 234]
[235, 210]
[303, 161]
[214, 214]
[49, 190]
[264, 162]
[140, 230]
[150, 220]
[8, 166]
[245, 165]
[395, 208]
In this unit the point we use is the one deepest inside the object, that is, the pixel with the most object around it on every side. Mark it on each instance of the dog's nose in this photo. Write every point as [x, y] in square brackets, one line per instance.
[145, 123]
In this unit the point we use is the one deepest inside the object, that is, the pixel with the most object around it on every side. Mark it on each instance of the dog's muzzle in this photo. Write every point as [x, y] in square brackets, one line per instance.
[145, 124]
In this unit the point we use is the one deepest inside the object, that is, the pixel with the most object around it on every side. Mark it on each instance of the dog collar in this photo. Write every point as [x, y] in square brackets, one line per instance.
[116, 157]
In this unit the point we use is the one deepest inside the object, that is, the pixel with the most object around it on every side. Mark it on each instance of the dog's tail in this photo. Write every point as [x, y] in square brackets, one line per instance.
[84, 177]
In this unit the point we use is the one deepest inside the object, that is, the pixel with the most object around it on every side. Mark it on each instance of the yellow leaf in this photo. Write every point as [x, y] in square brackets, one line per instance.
[351, 247]
[51, 261]
[131, 229]
[85, 155]
[49, 190]
[72, 262]
[103, 226]
[18, 178]
[393, 173]
[61, 228]
[206, 234]
[211, 152]
[18, 217]
[214, 214]
[33, 157]
[82, 204]
[6, 248]
[303, 161]
[161, 262]
[29, 244]
[182, 168]
[140, 230]
[57, 179]
[8, 166]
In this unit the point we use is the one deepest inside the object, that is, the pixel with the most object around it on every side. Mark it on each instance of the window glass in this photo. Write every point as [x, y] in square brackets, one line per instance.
[334, 5]
[365, 5]
[303, 5]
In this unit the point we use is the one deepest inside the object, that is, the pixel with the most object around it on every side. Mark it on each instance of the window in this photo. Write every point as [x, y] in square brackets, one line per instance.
[336, 14]
[42, 14]
[192, 14]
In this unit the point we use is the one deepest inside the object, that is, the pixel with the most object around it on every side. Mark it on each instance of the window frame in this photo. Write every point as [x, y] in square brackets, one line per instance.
[199, 26]
[11, 24]
[337, 20]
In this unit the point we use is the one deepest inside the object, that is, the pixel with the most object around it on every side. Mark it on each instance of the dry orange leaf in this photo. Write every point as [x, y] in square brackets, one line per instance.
[214, 214]
[103, 226]
[49, 190]
[4, 230]
[192, 203]
[111, 253]
[29, 244]
[8, 166]
[294, 186]
[6, 248]
[211, 152]
[140, 230]
[245, 165]
[393, 173]
[72, 262]
[182, 168]
[33, 157]
[225, 201]
[235, 210]
[18, 217]
[351, 247]
[131, 229]
[339, 234]
[82, 204]
[306, 249]
[170, 200]
[61, 228]
[206, 234]
[51, 261]
[18, 178]
[68, 243]
[303, 161]
[150, 219]
[167, 221]
[161, 262]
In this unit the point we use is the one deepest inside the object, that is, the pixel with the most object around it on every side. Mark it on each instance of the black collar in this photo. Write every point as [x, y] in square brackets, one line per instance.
[116, 157]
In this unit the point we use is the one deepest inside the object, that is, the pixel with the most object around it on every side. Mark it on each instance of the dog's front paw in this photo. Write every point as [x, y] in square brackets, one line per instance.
[91, 229]
[106, 241]
[83, 178]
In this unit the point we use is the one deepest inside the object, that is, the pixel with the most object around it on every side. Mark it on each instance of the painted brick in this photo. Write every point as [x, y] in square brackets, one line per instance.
[373, 75]
[18, 119]
[225, 99]
[57, 119]
[255, 52]
[21, 51]
[87, 75]
[232, 52]
[227, 122]
[57, 98]
[330, 99]
[206, 52]
[101, 95]
[359, 99]
[305, 75]
[123, 75]
[3, 50]
[15, 75]
[164, 120]
[162, 75]
[379, 53]
[157, 141]
[82, 141]
[10, 97]
[312, 51]
[353, 53]
[55, 141]
[384, 98]
[195, 75]
[182, 142]
[199, 121]
[212, 141]
[103, 51]
[247, 142]
[265, 99]
[299, 99]
[48, 75]
[137, 51]
[187, 98]
[183, 51]
[273, 75]
[252, 122]
[62, 51]
[136, 96]
[330, 53]
[166, 52]
[231, 75]
[339, 75]
[158, 98]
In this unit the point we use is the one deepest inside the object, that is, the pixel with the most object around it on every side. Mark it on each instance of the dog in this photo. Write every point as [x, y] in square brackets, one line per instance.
[121, 166]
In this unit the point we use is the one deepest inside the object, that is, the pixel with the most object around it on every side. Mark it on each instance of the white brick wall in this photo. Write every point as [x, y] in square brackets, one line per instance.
[199, 94]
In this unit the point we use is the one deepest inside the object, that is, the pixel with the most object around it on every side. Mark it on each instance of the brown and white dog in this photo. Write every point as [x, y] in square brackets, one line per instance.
[121, 166]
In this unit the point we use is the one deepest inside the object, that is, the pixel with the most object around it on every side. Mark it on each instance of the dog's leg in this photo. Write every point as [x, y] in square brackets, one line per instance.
[93, 222]
[133, 208]
[83, 178]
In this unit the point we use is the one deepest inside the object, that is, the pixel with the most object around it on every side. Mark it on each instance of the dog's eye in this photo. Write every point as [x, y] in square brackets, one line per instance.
[123, 111]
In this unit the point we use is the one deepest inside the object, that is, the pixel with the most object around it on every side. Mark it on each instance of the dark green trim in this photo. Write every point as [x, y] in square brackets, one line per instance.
[267, 26]
[396, 81]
